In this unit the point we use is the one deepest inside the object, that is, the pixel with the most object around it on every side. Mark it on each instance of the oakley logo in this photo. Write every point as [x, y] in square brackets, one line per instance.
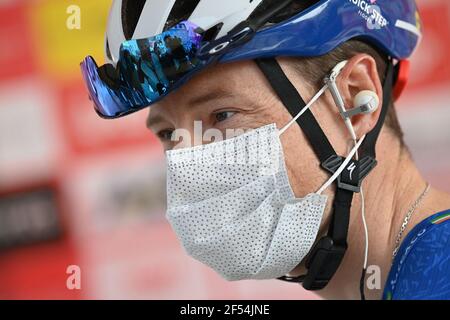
[351, 168]
[370, 12]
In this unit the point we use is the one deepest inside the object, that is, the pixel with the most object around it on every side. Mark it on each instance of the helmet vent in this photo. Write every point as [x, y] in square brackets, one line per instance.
[212, 33]
[131, 11]
[296, 7]
[181, 11]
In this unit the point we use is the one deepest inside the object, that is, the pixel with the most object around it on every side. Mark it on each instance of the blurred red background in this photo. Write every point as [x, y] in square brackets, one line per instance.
[79, 190]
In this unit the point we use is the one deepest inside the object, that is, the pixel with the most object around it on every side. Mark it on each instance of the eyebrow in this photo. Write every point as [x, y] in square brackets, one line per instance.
[215, 94]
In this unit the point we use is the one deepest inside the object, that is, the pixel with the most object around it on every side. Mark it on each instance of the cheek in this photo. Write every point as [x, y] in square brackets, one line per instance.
[303, 167]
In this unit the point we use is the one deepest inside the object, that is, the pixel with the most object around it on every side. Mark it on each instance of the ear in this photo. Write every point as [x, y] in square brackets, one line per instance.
[360, 73]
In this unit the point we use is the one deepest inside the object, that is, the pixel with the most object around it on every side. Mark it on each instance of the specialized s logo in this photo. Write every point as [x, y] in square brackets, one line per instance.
[351, 168]
[370, 12]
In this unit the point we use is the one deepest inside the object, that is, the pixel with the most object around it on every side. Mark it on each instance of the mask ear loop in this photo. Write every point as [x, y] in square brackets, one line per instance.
[310, 103]
[342, 167]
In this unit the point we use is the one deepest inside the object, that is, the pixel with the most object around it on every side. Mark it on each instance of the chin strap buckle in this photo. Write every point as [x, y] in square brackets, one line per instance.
[323, 263]
[356, 171]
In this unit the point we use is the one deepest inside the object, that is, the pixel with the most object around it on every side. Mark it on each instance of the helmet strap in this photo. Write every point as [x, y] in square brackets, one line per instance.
[328, 253]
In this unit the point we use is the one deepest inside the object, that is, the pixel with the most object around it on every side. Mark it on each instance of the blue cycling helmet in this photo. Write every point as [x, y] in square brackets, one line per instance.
[168, 41]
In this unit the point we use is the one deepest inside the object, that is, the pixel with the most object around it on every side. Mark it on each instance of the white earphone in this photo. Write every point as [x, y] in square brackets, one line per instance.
[365, 102]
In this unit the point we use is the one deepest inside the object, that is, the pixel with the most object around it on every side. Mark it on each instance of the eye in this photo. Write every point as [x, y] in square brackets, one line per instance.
[223, 115]
[165, 135]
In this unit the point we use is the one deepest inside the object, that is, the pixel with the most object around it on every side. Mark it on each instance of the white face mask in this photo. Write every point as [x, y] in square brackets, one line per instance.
[232, 206]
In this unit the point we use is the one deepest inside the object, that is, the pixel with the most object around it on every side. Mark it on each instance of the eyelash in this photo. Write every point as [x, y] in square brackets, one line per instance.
[224, 112]
[162, 134]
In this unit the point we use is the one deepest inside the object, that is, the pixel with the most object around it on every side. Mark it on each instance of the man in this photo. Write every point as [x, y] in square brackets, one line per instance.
[338, 57]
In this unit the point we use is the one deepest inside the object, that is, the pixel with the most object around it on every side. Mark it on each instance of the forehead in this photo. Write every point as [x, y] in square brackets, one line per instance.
[239, 77]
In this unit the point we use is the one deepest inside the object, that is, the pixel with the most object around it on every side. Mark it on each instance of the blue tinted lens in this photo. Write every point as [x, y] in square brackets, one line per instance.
[147, 70]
